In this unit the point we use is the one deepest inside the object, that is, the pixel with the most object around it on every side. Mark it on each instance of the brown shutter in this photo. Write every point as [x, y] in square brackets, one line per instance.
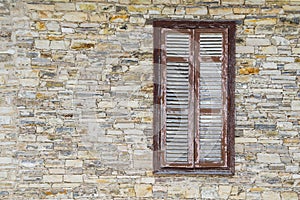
[211, 98]
[178, 133]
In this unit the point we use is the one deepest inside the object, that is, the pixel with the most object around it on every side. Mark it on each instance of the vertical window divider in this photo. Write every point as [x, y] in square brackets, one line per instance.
[197, 97]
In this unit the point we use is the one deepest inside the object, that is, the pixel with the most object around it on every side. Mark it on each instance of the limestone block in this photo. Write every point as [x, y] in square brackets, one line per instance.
[257, 42]
[5, 160]
[209, 193]
[289, 196]
[224, 191]
[137, 9]
[260, 21]
[254, 2]
[269, 50]
[40, 7]
[233, 2]
[86, 6]
[143, 190]
[291, 8]
[75, 16]
[244, 49]
[276, 40]
[268, 158]
[292, 66]
[220, 11]
[199, 10]
[191, 192]
[73, 178]
[269, 65]
[52, 178]
[58, 45]
[241, 10]
[168, 10]
[53, 26]
[82, 44]
[295, 105]
[65, 7]
[42, 44]
[74, 163]
[140, 2]
[40, 26]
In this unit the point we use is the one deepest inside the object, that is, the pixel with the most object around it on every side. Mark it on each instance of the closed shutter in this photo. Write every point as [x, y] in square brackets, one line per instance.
[194, 97]
[211, 84]
[178, 133]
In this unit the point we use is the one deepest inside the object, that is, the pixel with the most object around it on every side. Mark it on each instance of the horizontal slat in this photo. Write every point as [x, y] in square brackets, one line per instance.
[211, 45]
[178, 45]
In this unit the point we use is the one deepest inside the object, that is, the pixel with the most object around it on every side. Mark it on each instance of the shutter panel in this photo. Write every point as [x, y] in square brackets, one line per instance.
[211, 100]
[177, 96]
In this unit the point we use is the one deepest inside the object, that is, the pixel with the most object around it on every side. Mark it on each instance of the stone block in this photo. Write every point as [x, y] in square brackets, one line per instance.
[209, 193]
[291, 8]
[292, 66]
[74, 163]
[255, 2]
[40, 26]
[245, 140]
[295, 105]
[5, 120]
[75, 17]
[257, 42]
[6, 160]
[233, 2]
[119, 18]
[260, 21]
[52, 178]
[246, 10]
[73, 178]
[146, 2]
[249, 70]
[58, 45]
[84, 44]
[220, 11]
[269, 50]
[244, 49]
[199, 10]
[268, 158]
[289, 196]
[296, 50]
[46, 7]
[42, 44]
[276, 40]
[143, 190]
[168, 10]
[86, 6]
[224, 191]
[65, 7]
[137, 9]
[269, 65]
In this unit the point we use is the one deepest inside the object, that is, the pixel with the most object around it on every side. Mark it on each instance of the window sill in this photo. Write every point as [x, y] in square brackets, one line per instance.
[172, 171]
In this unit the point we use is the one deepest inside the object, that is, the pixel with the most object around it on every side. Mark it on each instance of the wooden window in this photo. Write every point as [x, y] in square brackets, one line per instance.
[194, 97]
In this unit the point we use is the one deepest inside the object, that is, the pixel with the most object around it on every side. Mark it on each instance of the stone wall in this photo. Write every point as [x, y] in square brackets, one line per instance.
[76, 100]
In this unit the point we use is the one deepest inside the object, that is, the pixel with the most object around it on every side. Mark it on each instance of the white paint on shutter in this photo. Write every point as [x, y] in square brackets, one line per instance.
[178, 45]
[211, 99]
[177, 96]
[211, 44]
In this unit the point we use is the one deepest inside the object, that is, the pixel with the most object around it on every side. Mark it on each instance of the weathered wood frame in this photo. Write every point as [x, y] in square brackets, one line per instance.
[229, 27]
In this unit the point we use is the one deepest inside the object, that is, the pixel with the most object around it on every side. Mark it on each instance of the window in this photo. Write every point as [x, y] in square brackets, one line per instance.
[194, 97]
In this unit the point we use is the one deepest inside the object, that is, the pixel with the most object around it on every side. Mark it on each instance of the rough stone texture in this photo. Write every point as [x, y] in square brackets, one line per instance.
[76, 100]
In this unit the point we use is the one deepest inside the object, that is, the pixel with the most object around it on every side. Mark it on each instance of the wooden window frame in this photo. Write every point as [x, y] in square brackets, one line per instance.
[228, 167]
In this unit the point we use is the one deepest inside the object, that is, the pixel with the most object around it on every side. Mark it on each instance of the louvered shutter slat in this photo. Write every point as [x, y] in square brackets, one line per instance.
[210, 98]
[177, 98]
